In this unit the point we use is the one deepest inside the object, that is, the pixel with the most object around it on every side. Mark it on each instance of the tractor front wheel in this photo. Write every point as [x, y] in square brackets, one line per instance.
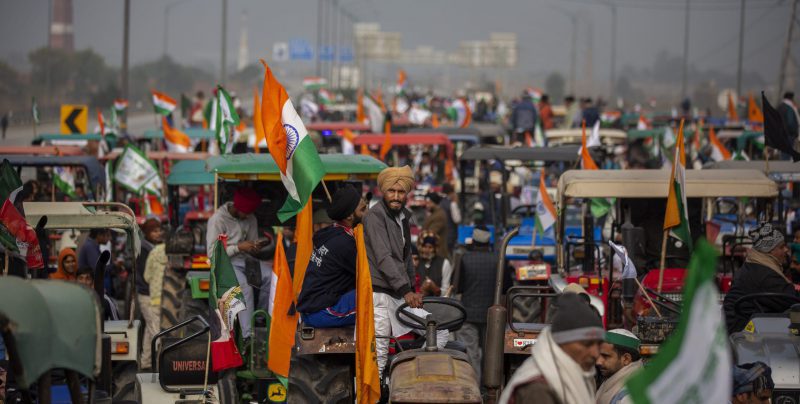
[320, 379]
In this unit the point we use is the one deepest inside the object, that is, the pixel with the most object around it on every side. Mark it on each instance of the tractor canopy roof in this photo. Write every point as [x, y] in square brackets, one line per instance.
[94, 170]
[56, 325]
[78, 137]
[190, 172]
[525, 154]
[654, 184]
[573, 136]
[43, 150]
[193, 133]
[323, 126]
[250, 166]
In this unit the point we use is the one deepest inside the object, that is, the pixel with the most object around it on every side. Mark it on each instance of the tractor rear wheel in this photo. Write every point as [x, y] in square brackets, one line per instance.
[320, 379]
[171, 298]
[227, 392]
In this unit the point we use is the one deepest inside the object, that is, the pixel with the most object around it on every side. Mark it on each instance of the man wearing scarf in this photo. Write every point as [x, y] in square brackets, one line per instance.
[433, 273]
[762, 272]
[561, 367]
[388, 241]
[619, 359]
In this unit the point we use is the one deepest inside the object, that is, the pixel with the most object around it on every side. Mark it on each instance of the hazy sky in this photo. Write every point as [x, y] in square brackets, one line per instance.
[543, 30]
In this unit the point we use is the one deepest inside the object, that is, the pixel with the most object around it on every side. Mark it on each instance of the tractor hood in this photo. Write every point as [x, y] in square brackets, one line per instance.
[767, 339]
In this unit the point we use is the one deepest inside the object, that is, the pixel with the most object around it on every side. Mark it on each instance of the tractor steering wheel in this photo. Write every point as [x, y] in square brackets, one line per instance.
[738, 309]
[416, 322]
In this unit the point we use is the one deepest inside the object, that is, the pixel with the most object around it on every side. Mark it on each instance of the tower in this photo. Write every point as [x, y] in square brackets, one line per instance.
[61, 36]
[243, 50]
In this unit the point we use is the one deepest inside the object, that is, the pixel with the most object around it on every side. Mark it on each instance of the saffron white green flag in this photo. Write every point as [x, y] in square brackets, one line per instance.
[374, 113]
[35, 111]
[694, 365]
[162, 103]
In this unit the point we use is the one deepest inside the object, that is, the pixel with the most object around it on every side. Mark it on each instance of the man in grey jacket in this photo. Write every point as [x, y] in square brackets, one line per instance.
[236, 220]
[388, 242]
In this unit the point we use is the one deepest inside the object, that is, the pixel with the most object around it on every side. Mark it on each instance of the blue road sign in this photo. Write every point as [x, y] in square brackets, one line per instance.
[300, 49]
[327, 52]
[346, 54]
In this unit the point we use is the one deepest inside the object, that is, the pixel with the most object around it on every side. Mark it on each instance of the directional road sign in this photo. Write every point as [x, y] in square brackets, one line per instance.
[74, 118]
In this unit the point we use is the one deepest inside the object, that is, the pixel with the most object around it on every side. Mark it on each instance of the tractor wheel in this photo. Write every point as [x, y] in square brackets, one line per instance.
[191, 307]
[526, 310]
[226, 388]
[124, 381]
[317, 379]
[174, 285]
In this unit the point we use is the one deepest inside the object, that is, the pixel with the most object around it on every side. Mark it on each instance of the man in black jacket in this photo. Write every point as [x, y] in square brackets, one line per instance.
[328, 297]
[762, 272]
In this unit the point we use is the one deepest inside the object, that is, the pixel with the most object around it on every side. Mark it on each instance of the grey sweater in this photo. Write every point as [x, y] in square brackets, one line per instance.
[388, 251]
[222, 222]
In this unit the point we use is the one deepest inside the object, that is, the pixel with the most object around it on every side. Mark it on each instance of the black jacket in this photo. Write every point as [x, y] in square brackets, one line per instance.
[331, 272]
[755, 278]
[476, 283]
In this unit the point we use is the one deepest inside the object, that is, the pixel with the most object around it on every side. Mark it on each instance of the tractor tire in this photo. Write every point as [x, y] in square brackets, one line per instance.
[526, 310]
[227, 393]
[124, 381]
[171, 298]
[191, 307]
[320, 379]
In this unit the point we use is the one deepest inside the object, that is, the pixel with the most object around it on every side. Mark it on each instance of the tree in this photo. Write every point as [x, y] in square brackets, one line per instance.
[554, 86]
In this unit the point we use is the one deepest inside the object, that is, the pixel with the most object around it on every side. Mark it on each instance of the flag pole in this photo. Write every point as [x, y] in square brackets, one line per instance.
[5, 268]
[327, 193]
[663, 259]
[647, 295]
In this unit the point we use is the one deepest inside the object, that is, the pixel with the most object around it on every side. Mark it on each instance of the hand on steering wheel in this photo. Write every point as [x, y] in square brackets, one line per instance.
[412, 320]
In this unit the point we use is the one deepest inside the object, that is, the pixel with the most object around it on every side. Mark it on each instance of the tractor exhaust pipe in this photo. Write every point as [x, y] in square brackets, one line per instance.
[496, 330]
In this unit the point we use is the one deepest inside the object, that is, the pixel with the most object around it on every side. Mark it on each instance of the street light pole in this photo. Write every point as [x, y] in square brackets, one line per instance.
[741, 50]
[125, 61]
[613, 54]
[319, 37]
[223, 62]
[684, 81]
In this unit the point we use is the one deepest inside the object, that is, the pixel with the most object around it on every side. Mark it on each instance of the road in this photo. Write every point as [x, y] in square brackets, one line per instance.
[23, 135]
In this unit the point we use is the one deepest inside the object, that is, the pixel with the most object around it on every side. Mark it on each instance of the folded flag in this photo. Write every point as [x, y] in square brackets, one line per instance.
[176, 140]
[628, 268]
[225, 301]
[776, 135]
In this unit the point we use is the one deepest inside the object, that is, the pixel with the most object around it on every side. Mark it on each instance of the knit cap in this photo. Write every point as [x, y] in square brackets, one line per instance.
[576, 321]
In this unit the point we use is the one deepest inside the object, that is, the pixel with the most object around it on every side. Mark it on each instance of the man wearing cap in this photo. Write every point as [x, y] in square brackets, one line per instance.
[561, 367]
[619, 359]
[436, 221]
[236, 220]
[328, 297]
[762, 272]
[433, 272]
[752, 383]
[388, 240]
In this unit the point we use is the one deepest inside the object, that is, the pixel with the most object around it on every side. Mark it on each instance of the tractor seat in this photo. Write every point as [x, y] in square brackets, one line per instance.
[417, 343]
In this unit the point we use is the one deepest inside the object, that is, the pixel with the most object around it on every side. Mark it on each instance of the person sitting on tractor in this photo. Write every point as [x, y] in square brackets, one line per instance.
[561, 367]
[619, 359]
[762, 272]
[387, 237]
[752, 383]
[85, 277]
[236, 220]
[67, 265]
[328, 297]
[433, 272]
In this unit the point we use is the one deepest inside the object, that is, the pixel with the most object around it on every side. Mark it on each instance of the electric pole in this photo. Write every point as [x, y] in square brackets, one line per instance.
[613, 54]
[126, 39]
[787, 50]
[741, 50]
[223, 67]
[684, 81]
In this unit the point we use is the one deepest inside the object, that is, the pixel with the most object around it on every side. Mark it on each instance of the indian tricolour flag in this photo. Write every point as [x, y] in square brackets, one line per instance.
[694, 364]
[314, 83]
[290, 146]
[282, 324]
[718, 150]
[374, 113]
[120, 104]
[176, 140]
[162, 103]
[676, 218]
[545, 209]
[587, 163]
[325, 96]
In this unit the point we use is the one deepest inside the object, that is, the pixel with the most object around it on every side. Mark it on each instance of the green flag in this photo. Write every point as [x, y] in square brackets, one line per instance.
[34, 111]
[694, 364]
[10, 186]
[223, 119]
